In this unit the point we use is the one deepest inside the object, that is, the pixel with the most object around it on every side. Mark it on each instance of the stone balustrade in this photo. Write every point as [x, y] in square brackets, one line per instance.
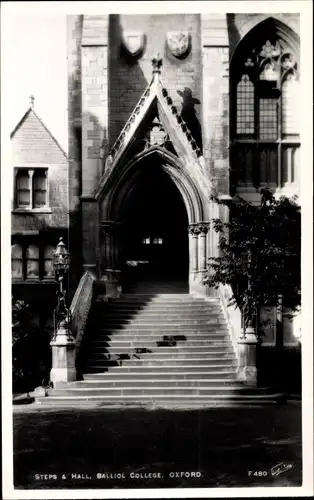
[80, 306]
[65, 346]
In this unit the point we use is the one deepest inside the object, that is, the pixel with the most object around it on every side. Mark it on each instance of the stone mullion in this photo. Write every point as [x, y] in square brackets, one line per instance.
[191, 253]
[195, 251]
[194, 231]
[31, 195]
[202, 246]
[15, 196]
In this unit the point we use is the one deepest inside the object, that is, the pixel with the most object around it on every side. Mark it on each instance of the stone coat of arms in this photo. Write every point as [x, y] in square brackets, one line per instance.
[178, 42]
[133, 43]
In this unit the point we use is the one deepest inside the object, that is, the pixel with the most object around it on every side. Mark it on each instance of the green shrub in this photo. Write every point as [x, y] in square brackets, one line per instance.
[260, 253]
[31, 353]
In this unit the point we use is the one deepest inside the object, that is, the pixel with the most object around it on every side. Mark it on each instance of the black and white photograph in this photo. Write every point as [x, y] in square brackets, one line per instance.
[156, 179]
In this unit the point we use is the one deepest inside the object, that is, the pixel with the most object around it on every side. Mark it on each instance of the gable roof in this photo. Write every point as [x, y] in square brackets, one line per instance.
[177, 129]
[36, 132]
[155, 91]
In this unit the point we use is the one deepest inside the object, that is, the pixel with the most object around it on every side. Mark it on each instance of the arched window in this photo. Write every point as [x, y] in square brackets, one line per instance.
[17, 261]
[265, 112]
[32, 262]
[48, 267]
[245, 106]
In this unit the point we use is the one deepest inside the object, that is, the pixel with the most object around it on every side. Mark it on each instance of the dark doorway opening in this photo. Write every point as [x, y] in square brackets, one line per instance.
[154, 236]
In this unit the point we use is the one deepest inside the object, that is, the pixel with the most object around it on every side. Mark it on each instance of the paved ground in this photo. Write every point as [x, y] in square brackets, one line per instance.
[223, 446]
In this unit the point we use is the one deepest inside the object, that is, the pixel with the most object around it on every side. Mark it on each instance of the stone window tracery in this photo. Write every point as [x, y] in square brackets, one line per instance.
[265, 110]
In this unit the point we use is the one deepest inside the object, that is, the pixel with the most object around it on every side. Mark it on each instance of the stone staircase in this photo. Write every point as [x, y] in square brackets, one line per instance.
[165, 349]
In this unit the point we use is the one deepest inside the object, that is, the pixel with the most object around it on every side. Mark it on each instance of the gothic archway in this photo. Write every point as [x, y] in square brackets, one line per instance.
[152, 217]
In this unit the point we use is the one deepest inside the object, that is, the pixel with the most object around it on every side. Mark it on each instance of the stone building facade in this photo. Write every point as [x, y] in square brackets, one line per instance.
[223, 99]
[163, 112]
[39, 211]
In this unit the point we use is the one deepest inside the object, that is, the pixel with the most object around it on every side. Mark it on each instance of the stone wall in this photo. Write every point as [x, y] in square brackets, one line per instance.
[94, 54]
[129, 77]
[215, 65]
[74, 38]
[105, 85]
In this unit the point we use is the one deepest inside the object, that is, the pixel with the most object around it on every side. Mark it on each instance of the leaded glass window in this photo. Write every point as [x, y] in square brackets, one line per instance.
[268, 123]
[265, 108]
[17, 261]
[245, 106]
[23, 189]
[32, 262]
[48, 265]
[39, 188]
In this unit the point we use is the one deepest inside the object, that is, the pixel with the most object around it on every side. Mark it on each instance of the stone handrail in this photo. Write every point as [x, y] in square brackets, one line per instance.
[232, 314]
[80, 307]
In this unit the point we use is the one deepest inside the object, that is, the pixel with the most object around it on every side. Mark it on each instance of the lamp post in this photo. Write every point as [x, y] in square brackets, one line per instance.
[61, 314]
[63, 343]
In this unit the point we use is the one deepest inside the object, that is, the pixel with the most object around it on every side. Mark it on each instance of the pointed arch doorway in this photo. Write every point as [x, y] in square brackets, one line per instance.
[154, 237]
[152, 226]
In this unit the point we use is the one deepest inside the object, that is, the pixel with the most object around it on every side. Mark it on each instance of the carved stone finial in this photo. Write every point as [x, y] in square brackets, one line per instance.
[157, 63]
[31, 101]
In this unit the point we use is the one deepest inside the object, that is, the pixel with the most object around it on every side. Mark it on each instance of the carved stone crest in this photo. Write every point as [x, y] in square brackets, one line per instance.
[133, 43]
[156, 135]
[178, 43]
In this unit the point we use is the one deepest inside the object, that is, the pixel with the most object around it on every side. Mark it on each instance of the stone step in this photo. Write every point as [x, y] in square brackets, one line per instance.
[147, 376]
[216, 366]
[152, 316]
[162, 298]
[155, 308]
[225, 358]
[94, 357]
[173, 399]
[221, 385]
[137, 392]
[156, 328]
[162, 403]
[166, 382]
[152, 344]
[157, 304]
[178, 349]
[189, 296]
[157, 362]
[130, 336]
[159, 329]
[153, 312]
[162, 321]
[169, 368]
